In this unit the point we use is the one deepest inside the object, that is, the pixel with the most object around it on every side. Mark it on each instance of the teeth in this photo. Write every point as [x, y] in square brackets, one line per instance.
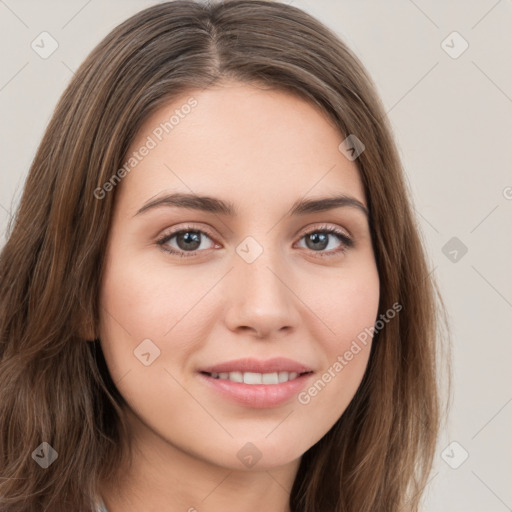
[256, 378]
[252, 378]
[284, 376]
[269, 378]
[234, 376]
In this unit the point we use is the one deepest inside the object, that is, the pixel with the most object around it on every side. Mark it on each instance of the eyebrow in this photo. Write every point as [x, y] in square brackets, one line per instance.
[219, 206]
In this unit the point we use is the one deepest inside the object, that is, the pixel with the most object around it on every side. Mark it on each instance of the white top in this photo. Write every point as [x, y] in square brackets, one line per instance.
[101, 506]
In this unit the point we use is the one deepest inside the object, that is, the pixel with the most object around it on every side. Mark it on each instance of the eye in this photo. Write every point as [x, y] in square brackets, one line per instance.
[188, 240]
[320, 239]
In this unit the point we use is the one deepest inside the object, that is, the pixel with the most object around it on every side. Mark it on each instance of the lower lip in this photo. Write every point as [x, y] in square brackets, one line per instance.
[258, 395]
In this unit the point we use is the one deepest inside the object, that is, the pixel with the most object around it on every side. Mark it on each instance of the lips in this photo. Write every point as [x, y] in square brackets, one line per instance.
[257, 383]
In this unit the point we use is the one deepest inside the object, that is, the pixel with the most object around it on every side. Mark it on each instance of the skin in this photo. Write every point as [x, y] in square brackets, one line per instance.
[262, 150]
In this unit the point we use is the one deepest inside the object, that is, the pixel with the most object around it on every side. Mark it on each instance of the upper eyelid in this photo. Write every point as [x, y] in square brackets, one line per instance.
[324, 226]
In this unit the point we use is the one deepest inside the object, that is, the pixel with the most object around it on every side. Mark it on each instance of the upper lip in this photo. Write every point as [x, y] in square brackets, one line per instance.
[277, 364]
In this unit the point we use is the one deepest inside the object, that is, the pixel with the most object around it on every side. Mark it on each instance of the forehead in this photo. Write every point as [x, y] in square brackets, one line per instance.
[245, 143]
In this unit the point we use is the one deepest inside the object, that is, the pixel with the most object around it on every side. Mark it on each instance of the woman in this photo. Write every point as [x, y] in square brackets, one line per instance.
[214, 295]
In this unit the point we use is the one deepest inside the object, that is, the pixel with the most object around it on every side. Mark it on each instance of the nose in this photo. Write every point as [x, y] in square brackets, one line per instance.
[260, 298]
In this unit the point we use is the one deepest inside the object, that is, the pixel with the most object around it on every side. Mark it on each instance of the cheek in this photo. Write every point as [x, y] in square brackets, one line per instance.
[355, 309]
[141, 301]
[347, 304]
[131, 310]
[145, 299]
[348, 307]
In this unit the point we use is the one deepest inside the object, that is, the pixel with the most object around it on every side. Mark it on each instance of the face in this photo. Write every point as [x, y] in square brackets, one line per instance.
[246, 275]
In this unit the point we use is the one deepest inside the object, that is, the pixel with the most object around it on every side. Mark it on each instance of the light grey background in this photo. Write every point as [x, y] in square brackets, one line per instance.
[453, 123]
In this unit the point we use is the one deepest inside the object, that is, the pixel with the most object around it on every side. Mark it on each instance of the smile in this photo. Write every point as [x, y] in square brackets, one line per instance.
[256, 378]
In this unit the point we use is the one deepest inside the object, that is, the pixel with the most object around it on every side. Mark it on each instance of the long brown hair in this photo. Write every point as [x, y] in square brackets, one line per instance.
[55, 387]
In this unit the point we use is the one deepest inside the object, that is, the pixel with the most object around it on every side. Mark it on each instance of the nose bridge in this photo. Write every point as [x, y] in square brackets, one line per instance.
[263, 279]
[260, 297]
[259, 269]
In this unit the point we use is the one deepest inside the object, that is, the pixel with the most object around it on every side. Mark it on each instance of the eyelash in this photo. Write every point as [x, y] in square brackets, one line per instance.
[346, 241]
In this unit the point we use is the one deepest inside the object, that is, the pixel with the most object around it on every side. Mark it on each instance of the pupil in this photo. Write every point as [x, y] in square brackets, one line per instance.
[189, 237]
[316, 238]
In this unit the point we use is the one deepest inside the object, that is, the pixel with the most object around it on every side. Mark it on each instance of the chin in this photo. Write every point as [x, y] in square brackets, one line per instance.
[260, 454]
